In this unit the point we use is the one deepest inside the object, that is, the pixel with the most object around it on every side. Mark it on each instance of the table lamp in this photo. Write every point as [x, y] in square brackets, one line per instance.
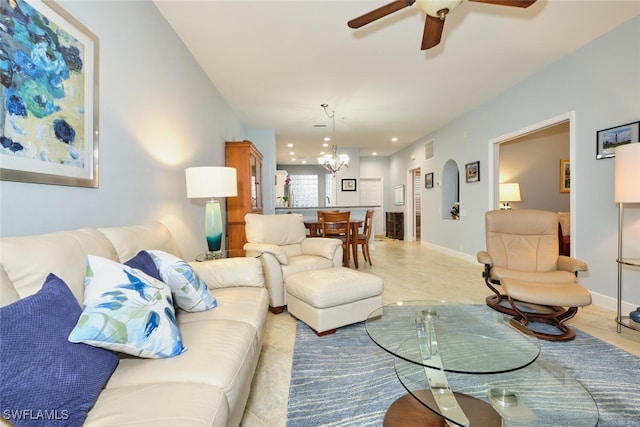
[212, 181]
[509, 192]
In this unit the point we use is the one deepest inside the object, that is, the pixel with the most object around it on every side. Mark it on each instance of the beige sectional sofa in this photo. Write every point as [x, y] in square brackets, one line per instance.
[207, 385]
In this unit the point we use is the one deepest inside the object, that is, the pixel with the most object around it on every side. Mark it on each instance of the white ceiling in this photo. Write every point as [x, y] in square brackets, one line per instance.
[275, 62]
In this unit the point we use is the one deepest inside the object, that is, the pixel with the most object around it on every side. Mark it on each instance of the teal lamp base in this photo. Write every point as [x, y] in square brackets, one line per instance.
[213, 228]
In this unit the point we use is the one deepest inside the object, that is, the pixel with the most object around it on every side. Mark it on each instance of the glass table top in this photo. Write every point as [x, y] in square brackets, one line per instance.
[540, 394]
[473, 366]
[470, 339]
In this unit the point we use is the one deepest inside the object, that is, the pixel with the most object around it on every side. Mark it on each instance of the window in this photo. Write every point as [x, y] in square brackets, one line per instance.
[304, 191]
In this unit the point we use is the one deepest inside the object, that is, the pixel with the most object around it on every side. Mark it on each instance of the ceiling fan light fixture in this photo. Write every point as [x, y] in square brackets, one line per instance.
[437, 8]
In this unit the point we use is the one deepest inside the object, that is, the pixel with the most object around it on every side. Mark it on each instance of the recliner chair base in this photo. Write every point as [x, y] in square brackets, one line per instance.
[554, 316]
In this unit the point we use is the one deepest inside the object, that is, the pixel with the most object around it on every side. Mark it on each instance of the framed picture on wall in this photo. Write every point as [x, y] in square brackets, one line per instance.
[49, 132]
[472, 171]
[348, 185]
[565, 176]
[399, 195]
[428, 180]
[608, 139]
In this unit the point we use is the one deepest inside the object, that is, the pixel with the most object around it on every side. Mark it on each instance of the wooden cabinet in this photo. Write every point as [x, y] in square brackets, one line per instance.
[395, 225]
[247, 160]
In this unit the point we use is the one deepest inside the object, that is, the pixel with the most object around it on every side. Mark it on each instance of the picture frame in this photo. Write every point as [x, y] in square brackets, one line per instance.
[472, 171]
[53, 140]
[608, 139]
[398, 195]
[349, 184]
[565, 176]
[428, 180]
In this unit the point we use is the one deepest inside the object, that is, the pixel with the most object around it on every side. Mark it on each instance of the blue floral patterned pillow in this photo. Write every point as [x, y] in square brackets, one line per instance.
[190, 291]
[127, 311]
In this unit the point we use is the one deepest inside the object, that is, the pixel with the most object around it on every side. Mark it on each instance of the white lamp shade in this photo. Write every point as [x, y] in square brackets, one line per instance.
[211, 181]
[510, 192]
[627, 173]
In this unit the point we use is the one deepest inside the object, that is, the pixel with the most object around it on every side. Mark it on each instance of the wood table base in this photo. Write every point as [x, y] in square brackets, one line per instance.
[408, 412]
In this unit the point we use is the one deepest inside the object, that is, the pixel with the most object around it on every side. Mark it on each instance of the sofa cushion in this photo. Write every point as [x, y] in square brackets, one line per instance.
[143, 262]
[8, 293]
[242, 303]
[222, 353]
[230, 272]
[190, 291]
[150, 405]
[27, 260]
[128, 241]
[41, 369]
[127, 311]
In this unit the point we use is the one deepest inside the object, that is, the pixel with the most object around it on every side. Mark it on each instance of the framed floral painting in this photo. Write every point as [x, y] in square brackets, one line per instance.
[48, 96]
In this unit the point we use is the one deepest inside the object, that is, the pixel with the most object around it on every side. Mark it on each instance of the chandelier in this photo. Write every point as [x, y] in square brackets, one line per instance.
[333, 162]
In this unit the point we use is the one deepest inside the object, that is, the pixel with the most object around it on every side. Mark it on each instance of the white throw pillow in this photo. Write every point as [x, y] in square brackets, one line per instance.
[127, 311]
[190, 291]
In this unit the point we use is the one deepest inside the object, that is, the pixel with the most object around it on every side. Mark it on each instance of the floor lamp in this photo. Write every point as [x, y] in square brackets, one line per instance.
[211, 182]
[627, 190]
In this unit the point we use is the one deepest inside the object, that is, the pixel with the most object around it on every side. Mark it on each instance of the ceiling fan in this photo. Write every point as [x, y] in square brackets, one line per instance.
[436, 11]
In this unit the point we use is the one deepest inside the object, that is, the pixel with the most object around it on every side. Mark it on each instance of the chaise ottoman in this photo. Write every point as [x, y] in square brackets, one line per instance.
[329, 298]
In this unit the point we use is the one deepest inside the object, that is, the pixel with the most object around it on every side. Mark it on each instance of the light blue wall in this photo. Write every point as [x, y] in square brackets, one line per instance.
[600, 85]
[158, 115]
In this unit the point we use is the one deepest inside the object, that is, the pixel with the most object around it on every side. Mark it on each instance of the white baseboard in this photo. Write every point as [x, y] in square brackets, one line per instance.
[460, 255]
[610, 303]
[603, 301]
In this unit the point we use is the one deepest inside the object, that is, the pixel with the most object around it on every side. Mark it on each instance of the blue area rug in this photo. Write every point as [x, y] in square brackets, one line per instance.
[345, 379]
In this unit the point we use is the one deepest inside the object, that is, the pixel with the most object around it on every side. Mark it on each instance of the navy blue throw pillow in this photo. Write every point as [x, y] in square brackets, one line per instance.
[47, 380]
[143, 262]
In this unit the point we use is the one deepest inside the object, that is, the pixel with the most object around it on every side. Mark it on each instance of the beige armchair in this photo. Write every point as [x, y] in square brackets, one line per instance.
[284, 249]
[522, 256]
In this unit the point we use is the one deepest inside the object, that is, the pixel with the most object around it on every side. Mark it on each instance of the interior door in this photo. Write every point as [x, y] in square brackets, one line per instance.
[371, 194]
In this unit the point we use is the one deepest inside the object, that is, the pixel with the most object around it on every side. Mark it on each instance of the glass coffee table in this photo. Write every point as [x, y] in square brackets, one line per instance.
[464, 365]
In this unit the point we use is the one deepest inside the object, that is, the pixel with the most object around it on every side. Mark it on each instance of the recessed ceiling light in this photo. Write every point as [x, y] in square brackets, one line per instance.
[304, 162]
[322, 153]
[291, 153]
[394, 139]
[327, 139]
[374, 154]
[325, 145]
[289, 145]
[293, 159]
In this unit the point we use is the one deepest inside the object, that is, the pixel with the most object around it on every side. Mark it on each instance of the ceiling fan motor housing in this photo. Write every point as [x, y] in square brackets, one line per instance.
[437, 8]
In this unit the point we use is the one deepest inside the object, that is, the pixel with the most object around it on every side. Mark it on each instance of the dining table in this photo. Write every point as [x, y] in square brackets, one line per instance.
[315, 230]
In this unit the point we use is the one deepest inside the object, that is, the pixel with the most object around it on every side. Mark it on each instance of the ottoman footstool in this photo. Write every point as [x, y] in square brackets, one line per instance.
[333, 297]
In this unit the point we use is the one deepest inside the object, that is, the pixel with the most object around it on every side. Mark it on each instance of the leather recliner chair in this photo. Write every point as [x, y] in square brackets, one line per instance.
[540, 285]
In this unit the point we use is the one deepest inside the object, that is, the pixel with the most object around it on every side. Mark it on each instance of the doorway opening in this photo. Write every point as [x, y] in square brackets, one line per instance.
[417, 202]
[521, 157]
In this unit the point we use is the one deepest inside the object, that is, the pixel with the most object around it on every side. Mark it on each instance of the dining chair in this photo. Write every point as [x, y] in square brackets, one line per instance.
[362, 239]
[337, 225]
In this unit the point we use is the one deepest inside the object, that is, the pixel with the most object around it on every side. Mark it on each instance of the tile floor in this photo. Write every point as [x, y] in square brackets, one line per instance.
[410, 271]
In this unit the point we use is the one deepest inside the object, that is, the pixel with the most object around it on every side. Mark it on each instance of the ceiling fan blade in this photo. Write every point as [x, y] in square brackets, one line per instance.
[432, 32]
[378, 13]
[514, 3]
